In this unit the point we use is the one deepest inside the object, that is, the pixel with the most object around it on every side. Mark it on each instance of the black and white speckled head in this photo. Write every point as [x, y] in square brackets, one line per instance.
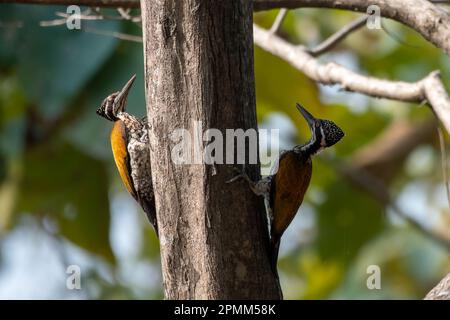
[115, 102]
[330, 132]
[325, 133]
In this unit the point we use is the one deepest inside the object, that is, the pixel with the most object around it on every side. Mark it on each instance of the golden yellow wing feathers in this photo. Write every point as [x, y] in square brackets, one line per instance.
[119, 149]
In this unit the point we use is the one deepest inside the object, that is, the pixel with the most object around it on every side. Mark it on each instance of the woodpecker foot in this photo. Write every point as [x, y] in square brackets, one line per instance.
[240, 175]
[260, 188]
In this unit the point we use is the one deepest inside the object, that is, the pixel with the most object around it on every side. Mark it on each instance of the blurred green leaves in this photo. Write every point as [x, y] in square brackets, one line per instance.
[61, 182]
[54, 64]
[50, 86]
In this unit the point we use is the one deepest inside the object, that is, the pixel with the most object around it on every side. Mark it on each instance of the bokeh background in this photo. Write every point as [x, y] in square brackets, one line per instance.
[62, 202]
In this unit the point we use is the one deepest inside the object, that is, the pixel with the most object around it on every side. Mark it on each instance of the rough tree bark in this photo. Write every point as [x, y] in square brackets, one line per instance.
[199, 67]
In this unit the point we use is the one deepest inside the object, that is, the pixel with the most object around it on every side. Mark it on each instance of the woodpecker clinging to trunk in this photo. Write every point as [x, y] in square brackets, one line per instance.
[285, 188]
[131, 151]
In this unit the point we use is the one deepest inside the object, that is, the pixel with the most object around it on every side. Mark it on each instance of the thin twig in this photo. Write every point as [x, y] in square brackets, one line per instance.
[444, 161]
[92, 3]
[65, 17]
[334, 39]
[278, 21]
[259, 4]
[53, 23]
[124, 13]
[87, 16]
[118, 35]
[345, 31]
[98, 15]
[426, 18]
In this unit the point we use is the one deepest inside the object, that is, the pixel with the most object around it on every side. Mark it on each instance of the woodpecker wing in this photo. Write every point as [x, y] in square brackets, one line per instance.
[119, 142]
[288, 188]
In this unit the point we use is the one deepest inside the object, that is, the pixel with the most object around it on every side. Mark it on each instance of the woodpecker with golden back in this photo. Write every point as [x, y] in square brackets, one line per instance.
[131, 150]
[285, 188]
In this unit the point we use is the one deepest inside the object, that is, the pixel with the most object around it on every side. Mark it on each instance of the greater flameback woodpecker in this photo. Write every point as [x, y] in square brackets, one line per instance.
[285, 188]
[131, 150]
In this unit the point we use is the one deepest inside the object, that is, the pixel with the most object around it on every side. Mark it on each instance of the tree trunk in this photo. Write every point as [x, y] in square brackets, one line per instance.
[199, 67]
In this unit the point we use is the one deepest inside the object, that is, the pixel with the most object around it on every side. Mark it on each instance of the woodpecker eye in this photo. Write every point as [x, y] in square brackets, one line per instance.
[332, 132]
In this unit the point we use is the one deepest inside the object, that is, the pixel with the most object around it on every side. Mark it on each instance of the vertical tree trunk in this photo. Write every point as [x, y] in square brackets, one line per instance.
[199, 67]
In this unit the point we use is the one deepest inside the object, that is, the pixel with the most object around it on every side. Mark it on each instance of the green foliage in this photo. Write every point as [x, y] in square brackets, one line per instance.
[52, 77]
[55, 159]
[61, 182]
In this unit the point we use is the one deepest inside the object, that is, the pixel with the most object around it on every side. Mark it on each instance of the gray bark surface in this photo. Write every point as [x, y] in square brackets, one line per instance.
[199, 67]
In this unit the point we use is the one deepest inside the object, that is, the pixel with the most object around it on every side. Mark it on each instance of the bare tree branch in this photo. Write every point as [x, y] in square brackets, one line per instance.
[91, 3]
[429, 88]
[334, 39]
[441, 291]
[64, 18]
[437, 97]
[94, 14]
[114, 34]
[278, 21]
[429, 20]
[259, 5]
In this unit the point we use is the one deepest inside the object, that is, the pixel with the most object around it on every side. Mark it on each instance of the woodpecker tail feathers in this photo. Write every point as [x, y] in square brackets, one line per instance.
[150, 211]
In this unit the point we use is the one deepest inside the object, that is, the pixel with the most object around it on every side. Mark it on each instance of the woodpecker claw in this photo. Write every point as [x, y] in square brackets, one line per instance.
[241, 175]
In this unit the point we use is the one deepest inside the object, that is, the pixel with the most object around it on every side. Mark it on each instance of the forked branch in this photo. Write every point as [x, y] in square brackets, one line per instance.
[430, 88]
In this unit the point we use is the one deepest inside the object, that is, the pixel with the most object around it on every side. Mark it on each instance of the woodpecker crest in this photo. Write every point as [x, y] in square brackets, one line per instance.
[106, 109]
[115, 102]
[131, 150]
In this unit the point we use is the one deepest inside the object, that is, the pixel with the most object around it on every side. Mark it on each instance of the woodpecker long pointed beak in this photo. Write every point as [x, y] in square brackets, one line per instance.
[308, 116]
[121, 98]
